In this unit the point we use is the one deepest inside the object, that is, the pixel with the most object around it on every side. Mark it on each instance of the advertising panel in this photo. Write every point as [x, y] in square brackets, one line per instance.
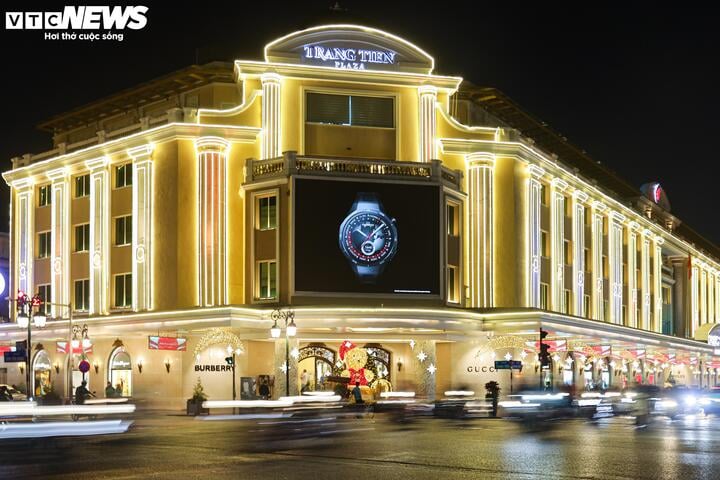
[366, 237]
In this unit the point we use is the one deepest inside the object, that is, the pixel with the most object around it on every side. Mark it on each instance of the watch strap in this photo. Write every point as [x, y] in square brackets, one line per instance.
[367, 201]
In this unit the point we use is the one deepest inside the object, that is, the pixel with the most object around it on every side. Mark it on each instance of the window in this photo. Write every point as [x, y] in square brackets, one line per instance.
[44, 196]
[586, 306]
[452, 285]
[267, 212]
[624, 315]
[123, 230]
[43, 245]
[586, 255]
[568, 252]
[544, 194]
[568, 207]
[267, 280]
[82, 186]
[605, 266]
[123, 175]
[606, 311]
[453, 220]
[566, 300]
[544, 244]
[46, 295]
[82, 295]
[544, 296]
[351, 110]
[667, 295]
[123, 290]
[82, 237]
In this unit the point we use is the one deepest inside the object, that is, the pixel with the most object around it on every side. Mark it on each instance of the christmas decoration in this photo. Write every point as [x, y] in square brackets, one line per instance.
[412, 344]
[359, 366]
[344, 347]
[221, 336]
[421, 356]
[508, 356]
[431, 369]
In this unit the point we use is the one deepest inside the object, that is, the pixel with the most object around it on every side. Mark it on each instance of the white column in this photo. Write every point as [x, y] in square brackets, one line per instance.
[99, 235]
[717, 296]
[597, 250]
[615, 261]
[142, 227]
[60, 239]
[632, 287]
[427, 97]
[480, 223]
[703, 296]
[557, 238]
[657, 281]
[24, 236]
[270, 115]
[212, 159]
[534, 201]
[711, 296]
[645, 307]
[694, 304]
[578, 244]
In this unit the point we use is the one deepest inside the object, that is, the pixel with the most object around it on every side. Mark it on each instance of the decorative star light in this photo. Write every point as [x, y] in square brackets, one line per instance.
[421, 356]
[636, 364]
[556, 357]
[612, 364]
[295, 353]
[284, 367]
[348, 344]
[523, 354]
[431, 369]
[508, 357]
[492, 354]
[412, 344]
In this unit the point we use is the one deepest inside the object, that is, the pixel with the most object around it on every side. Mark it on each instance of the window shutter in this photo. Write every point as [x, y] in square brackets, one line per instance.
[372, 112]
[323, 108]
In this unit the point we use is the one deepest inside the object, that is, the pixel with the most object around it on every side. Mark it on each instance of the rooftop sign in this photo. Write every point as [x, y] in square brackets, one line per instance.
[348, 58]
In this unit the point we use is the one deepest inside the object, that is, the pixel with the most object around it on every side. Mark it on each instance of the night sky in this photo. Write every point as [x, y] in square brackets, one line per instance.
[636, 87]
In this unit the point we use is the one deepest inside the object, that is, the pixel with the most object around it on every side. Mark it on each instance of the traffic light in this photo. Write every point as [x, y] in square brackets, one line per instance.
[230, 361]
[544, 349]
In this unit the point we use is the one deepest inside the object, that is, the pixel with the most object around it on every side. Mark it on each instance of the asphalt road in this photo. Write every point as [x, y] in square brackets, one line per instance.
[177, 447]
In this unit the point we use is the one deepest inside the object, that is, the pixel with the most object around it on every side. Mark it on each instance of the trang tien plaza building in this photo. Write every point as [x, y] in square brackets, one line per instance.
[411, 227]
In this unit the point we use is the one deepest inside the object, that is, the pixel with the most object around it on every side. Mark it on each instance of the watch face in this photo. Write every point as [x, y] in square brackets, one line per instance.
[368, 237]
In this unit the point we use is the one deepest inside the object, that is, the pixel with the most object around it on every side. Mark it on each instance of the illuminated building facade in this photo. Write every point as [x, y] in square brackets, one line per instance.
[400, 210]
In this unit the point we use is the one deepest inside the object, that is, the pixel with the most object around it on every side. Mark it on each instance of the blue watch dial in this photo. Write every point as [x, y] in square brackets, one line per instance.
[368, 238]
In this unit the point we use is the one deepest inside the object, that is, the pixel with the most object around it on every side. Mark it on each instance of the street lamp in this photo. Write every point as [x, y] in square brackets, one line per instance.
[288, 316]
[26, 319]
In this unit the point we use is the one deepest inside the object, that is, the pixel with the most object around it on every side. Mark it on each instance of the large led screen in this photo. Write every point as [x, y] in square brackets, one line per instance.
[366, 237]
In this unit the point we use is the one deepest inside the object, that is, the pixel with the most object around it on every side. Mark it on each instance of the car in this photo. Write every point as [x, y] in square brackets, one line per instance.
[709, 401]
[17, 395]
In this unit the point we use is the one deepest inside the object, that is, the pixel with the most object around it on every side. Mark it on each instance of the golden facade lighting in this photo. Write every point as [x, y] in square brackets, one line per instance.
[657, 281]
[615, 260]
[60, 238]
[270, 115]
[533, 241]
[24, 234]
[598, 306]
[579, 199]
[427, 97]
[142, 217]
[212, 160]
[480, 226]
[632, 237]
[557, 237]
[99, 234]
[645, 308]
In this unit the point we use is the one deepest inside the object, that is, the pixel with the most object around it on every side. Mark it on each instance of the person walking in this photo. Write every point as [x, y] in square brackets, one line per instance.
[357, 394]
[304, 381]
[82, 393]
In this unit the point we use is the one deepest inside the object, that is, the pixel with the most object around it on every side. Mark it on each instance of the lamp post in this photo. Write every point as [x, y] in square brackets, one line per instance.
[288, 316]
[26, 319]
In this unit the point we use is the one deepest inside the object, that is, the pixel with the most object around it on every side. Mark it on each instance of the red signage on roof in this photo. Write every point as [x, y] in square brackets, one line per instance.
[177, 344]
[62, 347]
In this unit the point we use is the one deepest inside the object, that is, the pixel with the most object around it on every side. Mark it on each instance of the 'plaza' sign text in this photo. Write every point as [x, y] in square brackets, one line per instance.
[348, 58]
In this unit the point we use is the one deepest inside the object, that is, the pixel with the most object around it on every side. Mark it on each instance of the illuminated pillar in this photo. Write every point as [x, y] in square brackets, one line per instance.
[578, 253]
[534, 201]
[24, 235]
[711, 296]
[645, 308]
[480, 212]
[694, 313]
[99, 234]
[615, 261]
[60, 240]
[142, 227]
[632, 287]
[557, 238]
[428, 97]
[598, 306]
[717, 296]
[270, 115]
[286, 358]
[657, 281]
[424, 368]
[703, 296]
[212, 158]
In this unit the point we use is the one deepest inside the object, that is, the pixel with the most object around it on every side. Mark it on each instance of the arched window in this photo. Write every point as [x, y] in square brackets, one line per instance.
[381, 357]
[318, 362]
[120, 372]
[42, 370]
